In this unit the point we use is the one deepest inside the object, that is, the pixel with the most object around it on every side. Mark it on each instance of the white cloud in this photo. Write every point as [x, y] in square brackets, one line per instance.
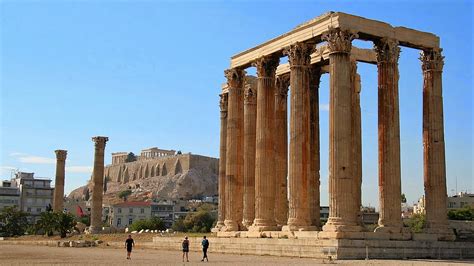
[16, 154]
[79, 169]
[36, 159]
[324, 107]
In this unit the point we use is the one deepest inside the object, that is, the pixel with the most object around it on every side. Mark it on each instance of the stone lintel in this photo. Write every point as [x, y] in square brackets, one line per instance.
[312, 30]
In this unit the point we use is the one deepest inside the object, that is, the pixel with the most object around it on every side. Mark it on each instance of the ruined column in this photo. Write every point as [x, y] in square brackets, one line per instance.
[314, 181]
[390, 191]
[356, 137]
[222, 160]
[281, 149]
[235, 150]
[265, 153]
[97, 184]
[342, 192]
[250, 127]
[433, 145]
[58, 201]
[299, 175]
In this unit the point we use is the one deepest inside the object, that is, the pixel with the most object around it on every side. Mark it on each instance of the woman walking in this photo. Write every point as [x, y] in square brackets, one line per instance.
[185, 245]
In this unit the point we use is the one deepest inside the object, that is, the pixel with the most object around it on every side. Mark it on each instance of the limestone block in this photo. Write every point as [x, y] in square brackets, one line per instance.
[134, 232]
[425, 237]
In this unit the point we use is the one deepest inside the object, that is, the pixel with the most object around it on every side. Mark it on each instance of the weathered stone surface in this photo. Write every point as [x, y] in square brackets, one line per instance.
[58, 200]
[97, 184]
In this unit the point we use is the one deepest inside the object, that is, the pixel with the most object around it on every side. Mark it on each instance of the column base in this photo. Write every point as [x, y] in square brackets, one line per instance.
[291, 228]
[246, 224]
[337, 225]
[389, 229]
[218, 227]
[443, 233]
[230, 226]
[261, 228]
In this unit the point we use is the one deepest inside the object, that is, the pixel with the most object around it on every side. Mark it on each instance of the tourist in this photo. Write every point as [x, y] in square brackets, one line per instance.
[185, 248]
[129, 243]
[205, 246]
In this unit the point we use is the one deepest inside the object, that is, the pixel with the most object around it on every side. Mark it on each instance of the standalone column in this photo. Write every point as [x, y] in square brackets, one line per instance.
[433, 145]
[265, 153]
[389, 137]
[299, 175]
[235, 152]
[281, 149]
[314, 181]
[342, 192]
[222, 161]
[58, 201]
[356, 137]
[97, 184]
[250, 126]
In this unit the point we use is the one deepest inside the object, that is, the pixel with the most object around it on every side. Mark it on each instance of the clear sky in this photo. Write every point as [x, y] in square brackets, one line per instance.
[148, 73]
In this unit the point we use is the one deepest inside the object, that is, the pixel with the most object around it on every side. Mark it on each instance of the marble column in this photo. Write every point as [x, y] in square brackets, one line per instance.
[223, 103]
[58, 201]
[235, 150]
[390, 191]
[433, 145]
[299, 217]
[97, 184]
[250, 127]
[314, 181]
[342, 192]
[265, 155]
[356, 137]
[281, 149]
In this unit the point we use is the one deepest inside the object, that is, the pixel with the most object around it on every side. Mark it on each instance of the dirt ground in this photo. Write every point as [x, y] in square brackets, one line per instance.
[42, 255]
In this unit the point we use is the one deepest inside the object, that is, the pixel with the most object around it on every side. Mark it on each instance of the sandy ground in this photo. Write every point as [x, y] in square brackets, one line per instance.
[42, 255]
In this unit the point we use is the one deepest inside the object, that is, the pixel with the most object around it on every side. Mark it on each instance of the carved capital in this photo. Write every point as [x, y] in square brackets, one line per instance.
[282, 83]
[432, 60]
[250, 95]
[387, 50]
[100, 142]
[339, 41]
[223, 102]
[266, 66]
[235, 77]
[299, 54]
[61, 155]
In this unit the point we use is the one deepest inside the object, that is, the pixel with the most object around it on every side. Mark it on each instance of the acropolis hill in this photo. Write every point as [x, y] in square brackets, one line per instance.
[158, 173]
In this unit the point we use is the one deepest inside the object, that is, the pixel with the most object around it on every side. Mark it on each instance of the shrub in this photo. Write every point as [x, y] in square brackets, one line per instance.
[464, 214]
[154, 223]
[13, 222]
[416, 223]
[50, 222]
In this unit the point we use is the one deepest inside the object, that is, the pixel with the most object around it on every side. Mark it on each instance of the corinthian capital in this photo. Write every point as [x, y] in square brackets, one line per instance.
[100, 142]
[223, 102]
[61, 155]
[339, 41]
[387, 50]
[266, 66]
[235, 77]
[282, 82]
[299, 53]
[432, 60]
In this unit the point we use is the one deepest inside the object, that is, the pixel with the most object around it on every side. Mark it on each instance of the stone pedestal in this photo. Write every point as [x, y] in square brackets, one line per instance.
[299, 218]
[235, 151]
[250, 126]
[281, 149]
[58, 200]
[97, 184]
[433, 146]
[222, 161]
[314, 181]
[389, 136]
[342, 191]
[265, 153]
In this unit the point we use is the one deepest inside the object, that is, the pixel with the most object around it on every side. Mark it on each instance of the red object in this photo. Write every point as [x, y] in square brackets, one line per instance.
[79, 211]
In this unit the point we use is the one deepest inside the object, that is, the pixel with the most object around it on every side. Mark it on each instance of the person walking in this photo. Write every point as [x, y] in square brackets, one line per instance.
[129, 243]
[185, 245]
[205, 246]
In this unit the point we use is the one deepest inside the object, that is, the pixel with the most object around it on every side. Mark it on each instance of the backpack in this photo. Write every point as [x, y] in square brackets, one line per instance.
[205, 243]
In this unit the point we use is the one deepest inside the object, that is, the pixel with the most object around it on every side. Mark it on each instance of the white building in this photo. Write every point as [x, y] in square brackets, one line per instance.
[461, 200]
[9, 195]
[124, 214]
[36, 194]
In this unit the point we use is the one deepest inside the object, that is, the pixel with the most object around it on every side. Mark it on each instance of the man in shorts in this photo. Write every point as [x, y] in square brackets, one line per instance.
[129, 243]
[185, 246]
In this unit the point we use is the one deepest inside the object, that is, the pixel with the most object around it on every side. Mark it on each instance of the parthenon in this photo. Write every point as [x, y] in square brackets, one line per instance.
[263, 186]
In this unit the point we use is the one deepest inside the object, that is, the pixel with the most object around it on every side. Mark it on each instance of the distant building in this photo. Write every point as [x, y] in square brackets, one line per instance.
[9, 195]
[461, 200]
[164, 209]
[124, 214]
[324, 213]
[419, 207]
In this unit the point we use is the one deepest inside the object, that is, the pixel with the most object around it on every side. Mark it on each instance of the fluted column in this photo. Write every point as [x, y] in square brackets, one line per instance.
[433, 145]
[281, 149]
[299, 175]
[97, 184]
[235, 151]
[265, 155]
[223, 103]
[390, 191]
[250, 127]
[314, 181]
[356, 137]
[58, 201]
[342, 213]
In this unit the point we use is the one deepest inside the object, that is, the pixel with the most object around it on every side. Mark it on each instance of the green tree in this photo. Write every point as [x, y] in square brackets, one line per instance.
[416, 223]
[199, 222]
[46, 223]
[13, 222]
[179, 226]
[154, 223]
[404, 198]
[65, 223]
[464, 214]
[124, 194]
[131, 157]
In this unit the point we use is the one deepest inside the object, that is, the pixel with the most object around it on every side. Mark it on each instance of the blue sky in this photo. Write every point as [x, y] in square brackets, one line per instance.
[148, 73]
